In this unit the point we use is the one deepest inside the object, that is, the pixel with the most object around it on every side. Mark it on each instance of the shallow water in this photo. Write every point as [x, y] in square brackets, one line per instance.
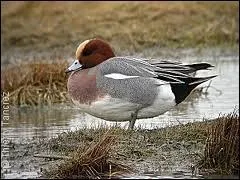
[45, 122]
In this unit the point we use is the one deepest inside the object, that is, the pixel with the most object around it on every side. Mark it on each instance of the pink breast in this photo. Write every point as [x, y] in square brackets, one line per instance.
[82, 86]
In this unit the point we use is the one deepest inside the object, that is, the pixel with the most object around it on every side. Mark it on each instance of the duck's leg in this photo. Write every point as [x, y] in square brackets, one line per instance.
[132, 121]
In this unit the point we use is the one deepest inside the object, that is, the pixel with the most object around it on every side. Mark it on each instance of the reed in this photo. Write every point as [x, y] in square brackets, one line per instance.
[91, 162]
[94, 150]
[35, 83]
[222, 146]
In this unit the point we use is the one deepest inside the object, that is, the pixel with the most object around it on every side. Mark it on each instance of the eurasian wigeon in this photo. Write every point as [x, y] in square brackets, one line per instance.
[126, 88]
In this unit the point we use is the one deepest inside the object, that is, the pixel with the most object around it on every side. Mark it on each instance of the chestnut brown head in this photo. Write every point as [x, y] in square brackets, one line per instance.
[91, 53]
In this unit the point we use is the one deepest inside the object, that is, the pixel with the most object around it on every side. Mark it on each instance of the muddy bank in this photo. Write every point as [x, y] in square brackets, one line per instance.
[172, 151]
[146, 152]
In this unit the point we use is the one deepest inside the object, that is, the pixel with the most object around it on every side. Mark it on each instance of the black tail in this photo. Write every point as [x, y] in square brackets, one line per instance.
[182, 90]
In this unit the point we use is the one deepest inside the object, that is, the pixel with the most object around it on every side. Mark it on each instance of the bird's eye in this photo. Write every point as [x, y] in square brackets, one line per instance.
[75, 63]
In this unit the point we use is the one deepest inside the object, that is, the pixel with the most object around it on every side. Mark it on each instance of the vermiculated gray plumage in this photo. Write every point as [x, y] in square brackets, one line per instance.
[142, 89]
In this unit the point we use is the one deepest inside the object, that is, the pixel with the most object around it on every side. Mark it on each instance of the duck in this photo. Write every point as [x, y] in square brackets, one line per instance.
[125, 88]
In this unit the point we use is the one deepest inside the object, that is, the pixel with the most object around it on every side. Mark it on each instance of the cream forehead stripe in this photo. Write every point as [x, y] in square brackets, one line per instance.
[80, 48]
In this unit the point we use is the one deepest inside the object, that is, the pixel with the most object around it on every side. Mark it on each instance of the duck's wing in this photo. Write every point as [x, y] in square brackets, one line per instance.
[128, 67]
[176, 65]
[137, 80]
[186, 69]
[132, 80]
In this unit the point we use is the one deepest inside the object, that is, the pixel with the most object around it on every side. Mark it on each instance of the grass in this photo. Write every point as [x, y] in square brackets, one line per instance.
[113, 152]
[97, 147]
[127, 147]
[163, 146]
[222, 147]
[90, 162]
[53, 26]
[35, 83]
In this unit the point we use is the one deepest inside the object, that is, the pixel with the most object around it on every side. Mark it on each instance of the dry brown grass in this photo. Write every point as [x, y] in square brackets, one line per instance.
[222, 147]
[91, 163]
[131, 25]
[131, 146]
[35, 83]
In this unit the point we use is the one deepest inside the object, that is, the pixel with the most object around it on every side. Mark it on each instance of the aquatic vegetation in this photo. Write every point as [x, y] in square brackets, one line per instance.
[107, 152]
[91, 162]
[35, 83]
[222, 146]
[164, 146]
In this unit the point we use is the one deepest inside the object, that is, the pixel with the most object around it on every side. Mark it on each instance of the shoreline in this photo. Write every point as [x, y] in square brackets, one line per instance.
[158, 152]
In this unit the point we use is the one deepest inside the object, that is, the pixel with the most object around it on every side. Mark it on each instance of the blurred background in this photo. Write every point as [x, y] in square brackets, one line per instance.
[54, 29]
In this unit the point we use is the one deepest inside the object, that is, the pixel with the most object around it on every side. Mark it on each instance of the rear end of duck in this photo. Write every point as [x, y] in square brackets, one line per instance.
[182, 90]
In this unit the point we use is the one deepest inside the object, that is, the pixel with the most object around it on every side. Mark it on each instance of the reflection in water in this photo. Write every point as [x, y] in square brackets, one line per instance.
[37, 122]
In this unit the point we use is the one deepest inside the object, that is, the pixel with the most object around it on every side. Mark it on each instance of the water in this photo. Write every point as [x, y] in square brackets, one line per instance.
[222, 97]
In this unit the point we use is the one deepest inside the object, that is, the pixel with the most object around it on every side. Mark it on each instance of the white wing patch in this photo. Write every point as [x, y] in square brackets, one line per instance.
[119, 76]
